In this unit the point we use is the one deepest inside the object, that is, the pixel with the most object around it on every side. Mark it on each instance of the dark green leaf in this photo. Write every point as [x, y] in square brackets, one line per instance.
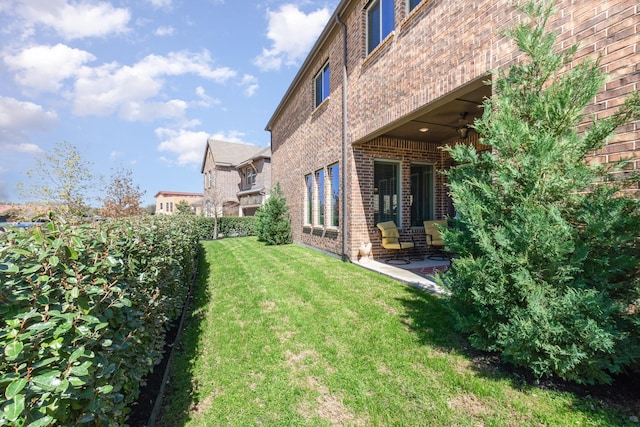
[9, 267]
[105, 389]
[41, 326]
[15, 387]
[48, 381]
[14, 409]
[81, 370]
[76, 354]
[42, 422]
[45, 362]
[13, 350]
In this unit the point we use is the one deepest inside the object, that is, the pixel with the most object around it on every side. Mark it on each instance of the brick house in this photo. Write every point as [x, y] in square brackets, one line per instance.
[357, 137]
[167, 202]
[236, 178]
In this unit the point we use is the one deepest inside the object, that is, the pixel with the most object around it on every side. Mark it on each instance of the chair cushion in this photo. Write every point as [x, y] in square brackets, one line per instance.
[388, 229]
[430, 228]
[391, 236]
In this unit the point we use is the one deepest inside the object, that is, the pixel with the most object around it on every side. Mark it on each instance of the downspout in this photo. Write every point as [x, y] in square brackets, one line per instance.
[343, 192]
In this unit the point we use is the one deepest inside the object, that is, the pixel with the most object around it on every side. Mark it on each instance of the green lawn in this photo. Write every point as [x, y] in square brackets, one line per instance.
[287, 336]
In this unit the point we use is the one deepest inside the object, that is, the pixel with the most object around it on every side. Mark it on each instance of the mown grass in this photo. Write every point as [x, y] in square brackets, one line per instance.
[287, 336]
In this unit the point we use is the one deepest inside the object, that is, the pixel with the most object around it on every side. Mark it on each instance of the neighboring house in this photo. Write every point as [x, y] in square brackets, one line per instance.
[167, 202]
[357, 137]
[237, 178]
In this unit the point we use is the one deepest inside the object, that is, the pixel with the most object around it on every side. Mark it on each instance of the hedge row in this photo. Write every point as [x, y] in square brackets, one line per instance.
[85, 311]
[227, 227]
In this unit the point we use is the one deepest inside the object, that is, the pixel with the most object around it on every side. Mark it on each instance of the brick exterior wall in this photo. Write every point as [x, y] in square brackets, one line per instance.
[220, 191]
[434, 51]
[227, 180]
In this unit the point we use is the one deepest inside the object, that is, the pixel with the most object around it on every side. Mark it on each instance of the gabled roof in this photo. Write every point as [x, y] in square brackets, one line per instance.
[177, 193]
[264, 154]
[233, 153]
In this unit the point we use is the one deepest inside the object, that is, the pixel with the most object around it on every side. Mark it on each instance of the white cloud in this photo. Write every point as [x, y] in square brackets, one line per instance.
[24, 148]
[128, 89]
[134, 111]
[44, 68]
[165, 31]
[18, 117]
[160, 3]
[205, 100]
[183, 62]
[292, 34]
[75, 20]
[250, 84]
[187, 145]
[231, 136]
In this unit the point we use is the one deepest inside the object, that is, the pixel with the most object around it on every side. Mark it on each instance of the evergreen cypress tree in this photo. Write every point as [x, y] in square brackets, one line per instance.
[272, 223]
[547, 261]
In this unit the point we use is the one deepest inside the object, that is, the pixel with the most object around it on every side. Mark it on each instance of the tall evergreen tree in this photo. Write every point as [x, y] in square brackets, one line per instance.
[272, 222]
[547, 261]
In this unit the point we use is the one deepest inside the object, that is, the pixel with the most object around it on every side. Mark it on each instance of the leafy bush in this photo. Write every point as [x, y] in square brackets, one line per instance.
[227, 226]
[547, 259]
[272, 223]
[85, 310]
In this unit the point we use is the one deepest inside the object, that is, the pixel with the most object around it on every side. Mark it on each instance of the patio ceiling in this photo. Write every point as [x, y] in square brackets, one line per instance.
[443, 117]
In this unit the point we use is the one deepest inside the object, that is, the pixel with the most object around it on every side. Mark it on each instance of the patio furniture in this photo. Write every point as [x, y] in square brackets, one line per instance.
[391, 241]
[435, 244]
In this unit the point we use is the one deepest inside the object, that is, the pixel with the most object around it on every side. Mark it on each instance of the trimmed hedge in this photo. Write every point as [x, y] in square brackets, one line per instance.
[85, 311]
[227, 227]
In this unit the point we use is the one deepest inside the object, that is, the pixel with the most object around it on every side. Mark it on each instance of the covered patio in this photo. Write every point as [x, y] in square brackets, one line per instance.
[417, 274]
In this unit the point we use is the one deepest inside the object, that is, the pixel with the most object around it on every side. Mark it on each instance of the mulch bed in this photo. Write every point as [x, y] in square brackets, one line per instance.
[141, 410]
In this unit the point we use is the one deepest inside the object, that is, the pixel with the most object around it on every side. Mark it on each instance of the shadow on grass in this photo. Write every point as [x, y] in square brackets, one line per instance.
[428, 317]
[177, 402]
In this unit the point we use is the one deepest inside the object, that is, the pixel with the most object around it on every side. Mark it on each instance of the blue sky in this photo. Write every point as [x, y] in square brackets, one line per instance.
[142, 84]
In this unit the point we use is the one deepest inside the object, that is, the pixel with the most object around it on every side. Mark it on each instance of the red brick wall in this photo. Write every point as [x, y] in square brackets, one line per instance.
[433, 51]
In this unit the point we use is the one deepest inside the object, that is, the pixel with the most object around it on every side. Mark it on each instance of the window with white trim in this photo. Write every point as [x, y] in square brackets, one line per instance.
[308, 210]
[334, 194]
[411, 4]
[250, 176]
[380, 22]
[321, 85]
[320, 205]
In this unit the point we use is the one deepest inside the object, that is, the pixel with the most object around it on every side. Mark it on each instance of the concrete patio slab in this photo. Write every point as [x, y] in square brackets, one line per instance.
[417, 274]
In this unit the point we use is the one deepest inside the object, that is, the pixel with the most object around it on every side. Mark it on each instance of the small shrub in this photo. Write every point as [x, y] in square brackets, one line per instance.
[236, 226]
[272, 222]
[227, 227]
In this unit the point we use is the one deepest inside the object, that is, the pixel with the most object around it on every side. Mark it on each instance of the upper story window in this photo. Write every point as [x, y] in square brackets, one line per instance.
[380, 22]
[321, 85]
[413, 3]
[251, 176]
